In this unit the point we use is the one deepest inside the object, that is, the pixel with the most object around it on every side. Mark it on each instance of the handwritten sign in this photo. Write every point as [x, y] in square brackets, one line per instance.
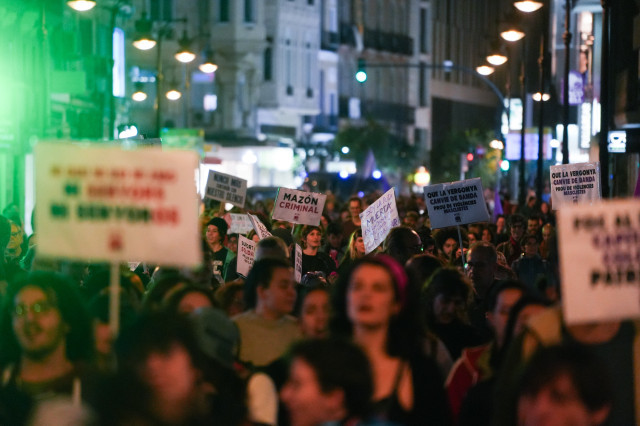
[378, 219]
[246, 255]
[227, 188]
[108, 204]
[599, 251]
[456, 203]
[575, 184]
[298, 206]
[298, 264]
[259, 227]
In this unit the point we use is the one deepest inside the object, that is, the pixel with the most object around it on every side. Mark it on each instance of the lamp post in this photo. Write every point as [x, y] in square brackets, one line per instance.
[146, 42]
[565, 83]
[604, 99]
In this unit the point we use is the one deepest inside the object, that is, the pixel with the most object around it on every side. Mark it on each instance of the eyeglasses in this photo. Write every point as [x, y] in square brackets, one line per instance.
[37, 308]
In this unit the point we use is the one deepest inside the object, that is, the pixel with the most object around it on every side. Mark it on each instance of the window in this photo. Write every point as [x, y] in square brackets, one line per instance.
[424, 26]
[223, 11]
[268, 64]
[161, 10]
[249, 11]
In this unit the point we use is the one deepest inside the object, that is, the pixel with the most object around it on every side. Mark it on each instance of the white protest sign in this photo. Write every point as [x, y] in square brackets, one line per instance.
[456, 203]
[227, 188]
[240, 223]
[600, 261]
[105, 203]
[246, 255]
[298, 206]
[378, 219]
[298, 264]
[575, 184]
[259, 227]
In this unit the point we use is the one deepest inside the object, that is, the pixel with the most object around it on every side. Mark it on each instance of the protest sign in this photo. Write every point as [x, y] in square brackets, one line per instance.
[378, 219]
[456, 203]
[101, 203]
[298, 206]
[298, 264]
[599, 251]
[246, 254]
[240, 224]
[259, 227]
[226, 188]
[575, 184]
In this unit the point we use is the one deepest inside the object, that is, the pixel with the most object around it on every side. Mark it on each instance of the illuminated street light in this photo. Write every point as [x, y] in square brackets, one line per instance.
[208, 66]
[174, 95]
[143, 39]
[512, 35]
[345, 150]
[139, 96]
[538, 96]
[81, 5]
[496, 144]
[528, 6]
[184, 54]
[497, 59]
[485, 70]
[422, 177]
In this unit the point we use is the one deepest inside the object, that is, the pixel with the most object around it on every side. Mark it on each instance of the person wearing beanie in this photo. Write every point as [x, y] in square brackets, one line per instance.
[221, 257]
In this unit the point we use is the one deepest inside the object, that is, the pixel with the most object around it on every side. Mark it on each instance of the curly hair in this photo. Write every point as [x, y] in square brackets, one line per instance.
[73, 311]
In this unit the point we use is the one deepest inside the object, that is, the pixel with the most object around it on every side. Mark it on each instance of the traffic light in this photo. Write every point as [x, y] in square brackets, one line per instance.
[361, 74]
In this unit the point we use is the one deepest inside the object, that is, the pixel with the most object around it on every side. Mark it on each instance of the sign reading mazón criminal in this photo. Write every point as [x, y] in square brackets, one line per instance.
[456, 203]
[378, 219]
[599, 251]
[109, 204]
[298, 206]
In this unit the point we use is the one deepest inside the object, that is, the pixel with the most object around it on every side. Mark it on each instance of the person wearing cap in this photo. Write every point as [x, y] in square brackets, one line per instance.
[222, 257]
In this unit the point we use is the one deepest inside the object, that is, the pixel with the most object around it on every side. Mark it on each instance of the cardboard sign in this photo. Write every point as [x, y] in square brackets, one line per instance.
[298, 264]
[456, 203]
[106, 204]
[259, 227]
[226, 188]
[378, 219]
[575, 184]
[600, 261]
[240, 224]
[246, 255]
[298, 206]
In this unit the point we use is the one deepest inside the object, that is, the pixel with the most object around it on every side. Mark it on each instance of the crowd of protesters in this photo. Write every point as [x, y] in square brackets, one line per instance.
[434, 327]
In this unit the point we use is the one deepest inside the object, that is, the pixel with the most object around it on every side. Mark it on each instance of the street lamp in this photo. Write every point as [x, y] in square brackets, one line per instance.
[208, 66]
[485, 70]
[184, 53]
[81, 5]
[143, 38]
[528, 6]
[139, 95]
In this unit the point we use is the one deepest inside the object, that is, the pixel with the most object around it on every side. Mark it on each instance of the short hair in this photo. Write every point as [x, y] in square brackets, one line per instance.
[73, 312]
[487, 249]
[449, 282]
[421, 267]
[339, 364]
[271, 247]
[305, 231]
[527, 237]
[516, 218]
[583, 368]
[260, 276]
[396, 244]
[355, 198]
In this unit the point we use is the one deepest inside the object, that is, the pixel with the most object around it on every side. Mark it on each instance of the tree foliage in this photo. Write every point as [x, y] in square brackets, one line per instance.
[446, 157]
[391, 152]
